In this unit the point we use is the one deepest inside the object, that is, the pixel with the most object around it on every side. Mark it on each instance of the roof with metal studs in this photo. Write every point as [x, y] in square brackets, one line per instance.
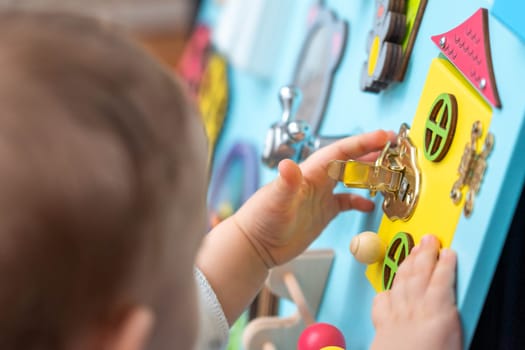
[468, 47]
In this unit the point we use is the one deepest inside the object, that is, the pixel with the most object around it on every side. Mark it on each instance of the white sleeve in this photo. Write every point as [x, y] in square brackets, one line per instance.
[213, 330]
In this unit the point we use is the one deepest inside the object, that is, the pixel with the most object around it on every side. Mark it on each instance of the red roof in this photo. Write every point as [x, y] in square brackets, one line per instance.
[468, 47]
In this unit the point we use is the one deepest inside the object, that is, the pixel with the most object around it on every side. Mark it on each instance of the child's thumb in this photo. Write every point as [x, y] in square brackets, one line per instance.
[289, 180]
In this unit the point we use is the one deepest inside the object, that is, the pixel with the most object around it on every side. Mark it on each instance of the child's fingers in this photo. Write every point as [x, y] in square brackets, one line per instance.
[290, 178]
[349, 201]
[349, 148]
[441, 289]
[369, 157]
[357, 146]
[401, 298]
[381, 308]
[424, 260]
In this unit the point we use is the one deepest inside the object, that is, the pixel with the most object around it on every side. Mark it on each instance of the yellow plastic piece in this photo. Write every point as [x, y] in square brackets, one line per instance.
[332, 348]
[213, 99]
[411, 13]
[373, 56]
[435, 212]
[225, 210]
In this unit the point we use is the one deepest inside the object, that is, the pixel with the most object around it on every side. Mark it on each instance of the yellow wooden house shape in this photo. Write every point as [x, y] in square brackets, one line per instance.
[450, 134]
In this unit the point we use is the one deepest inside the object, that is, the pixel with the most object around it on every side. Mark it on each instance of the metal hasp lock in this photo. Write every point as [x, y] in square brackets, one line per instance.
[395, 174]
[291, 137]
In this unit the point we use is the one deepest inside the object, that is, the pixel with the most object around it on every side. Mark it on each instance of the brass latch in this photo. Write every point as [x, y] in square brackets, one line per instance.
[395, 174]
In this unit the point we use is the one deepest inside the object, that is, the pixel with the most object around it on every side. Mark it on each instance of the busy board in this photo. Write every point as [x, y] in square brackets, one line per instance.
[446, 75]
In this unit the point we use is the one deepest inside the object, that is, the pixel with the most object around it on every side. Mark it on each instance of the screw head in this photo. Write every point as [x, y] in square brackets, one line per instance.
[455, 195]
[477, 128]
[442, 41]
[298, 131]
[482, 83]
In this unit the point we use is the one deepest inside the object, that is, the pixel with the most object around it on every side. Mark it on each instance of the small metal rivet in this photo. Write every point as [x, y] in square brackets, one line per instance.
[455, 195]
[442, 41]
[477, 128]
[408, 198]
[482, 84]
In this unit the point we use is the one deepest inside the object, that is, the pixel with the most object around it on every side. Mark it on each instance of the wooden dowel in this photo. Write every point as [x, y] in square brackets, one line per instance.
[298, 298]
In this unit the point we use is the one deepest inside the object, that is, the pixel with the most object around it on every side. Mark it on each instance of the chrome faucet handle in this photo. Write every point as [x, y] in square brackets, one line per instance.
[288, 137]
[291, 137]
[290, 98]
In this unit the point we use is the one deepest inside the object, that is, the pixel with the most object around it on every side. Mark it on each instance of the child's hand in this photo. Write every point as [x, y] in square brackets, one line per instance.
[419, 312]
[285, 216]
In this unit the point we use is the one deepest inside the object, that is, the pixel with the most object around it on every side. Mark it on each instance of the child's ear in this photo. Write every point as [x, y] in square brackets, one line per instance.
[135, 330]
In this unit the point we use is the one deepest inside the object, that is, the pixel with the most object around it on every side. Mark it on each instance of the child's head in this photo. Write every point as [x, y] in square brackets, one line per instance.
[102, 188]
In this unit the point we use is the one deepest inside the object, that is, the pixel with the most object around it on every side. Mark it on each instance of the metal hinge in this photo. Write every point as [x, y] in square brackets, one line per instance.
[472, 168]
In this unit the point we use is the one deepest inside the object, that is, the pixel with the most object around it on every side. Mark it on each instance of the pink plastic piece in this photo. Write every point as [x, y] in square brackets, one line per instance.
[194, 58]
[320, 335]
[468, 47]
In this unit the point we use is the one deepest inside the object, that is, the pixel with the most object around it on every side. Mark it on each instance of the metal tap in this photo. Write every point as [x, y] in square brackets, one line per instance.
[291, 137]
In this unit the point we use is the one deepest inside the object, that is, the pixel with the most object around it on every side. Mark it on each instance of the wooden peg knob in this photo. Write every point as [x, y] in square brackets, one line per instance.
[367, 248]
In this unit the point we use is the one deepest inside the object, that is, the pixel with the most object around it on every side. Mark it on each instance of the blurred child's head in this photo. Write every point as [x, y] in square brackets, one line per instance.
[102, 190]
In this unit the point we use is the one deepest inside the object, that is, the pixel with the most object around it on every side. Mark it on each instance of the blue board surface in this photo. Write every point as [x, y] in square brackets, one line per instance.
[511, 13]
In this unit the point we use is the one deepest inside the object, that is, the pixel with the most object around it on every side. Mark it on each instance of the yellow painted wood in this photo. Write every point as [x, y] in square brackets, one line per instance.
[435, 212]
